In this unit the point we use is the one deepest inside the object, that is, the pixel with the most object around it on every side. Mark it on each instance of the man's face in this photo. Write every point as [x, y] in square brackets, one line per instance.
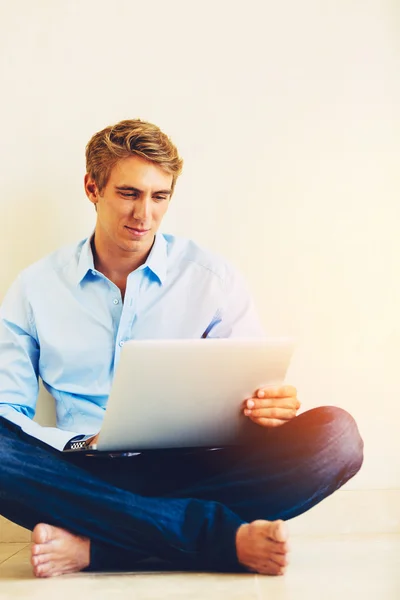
[131, 206]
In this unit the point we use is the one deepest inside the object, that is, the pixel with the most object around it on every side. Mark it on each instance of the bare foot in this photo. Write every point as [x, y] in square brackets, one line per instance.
[55, 551]
[262, 546]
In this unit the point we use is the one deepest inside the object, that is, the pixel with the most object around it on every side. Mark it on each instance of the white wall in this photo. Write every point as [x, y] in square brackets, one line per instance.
[287, 115]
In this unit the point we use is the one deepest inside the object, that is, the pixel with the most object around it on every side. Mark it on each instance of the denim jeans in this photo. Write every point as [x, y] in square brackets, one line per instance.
[180, 506]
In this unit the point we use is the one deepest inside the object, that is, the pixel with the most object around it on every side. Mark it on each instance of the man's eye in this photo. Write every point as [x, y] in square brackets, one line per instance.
[128, 194]
[160, 198]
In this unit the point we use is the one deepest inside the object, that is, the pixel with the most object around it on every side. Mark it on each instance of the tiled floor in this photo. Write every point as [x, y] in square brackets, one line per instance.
[324, 568]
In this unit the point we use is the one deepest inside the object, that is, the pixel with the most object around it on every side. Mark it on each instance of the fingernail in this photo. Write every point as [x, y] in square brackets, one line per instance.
[261, 394]
[250, 404]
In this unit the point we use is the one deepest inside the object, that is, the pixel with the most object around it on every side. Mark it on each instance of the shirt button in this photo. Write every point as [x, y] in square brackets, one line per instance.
[121, 343]
[116, 301]
[94, 273]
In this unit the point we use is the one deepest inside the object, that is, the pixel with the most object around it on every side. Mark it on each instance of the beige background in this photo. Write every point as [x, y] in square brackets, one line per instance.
[287, 116]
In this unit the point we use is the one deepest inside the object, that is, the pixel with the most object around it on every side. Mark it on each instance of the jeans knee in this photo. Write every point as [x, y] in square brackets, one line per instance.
[341, 428]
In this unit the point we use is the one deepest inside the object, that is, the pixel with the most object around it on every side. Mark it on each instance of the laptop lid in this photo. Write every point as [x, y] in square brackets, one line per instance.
[188, 393]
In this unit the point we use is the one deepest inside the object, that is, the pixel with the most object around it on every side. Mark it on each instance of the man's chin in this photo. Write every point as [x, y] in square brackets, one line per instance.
[141, 245]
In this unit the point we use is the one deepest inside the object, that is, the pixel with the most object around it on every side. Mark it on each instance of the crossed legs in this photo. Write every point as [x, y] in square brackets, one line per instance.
[196, 510]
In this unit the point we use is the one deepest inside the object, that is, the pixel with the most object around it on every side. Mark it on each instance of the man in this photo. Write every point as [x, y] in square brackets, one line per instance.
[66, 318]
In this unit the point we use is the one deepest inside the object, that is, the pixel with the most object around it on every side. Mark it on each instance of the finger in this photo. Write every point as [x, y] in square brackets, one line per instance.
[271, 413]
[252, 403]
[268, 422]
[276, 392]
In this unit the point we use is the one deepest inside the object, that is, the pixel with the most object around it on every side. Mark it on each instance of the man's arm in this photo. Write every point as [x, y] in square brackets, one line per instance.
[237, 316]
[19, 368]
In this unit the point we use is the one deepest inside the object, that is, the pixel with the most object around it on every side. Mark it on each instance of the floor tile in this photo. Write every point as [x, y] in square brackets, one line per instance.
[17, 581]
[328, 568]
[10, 532]
[341, 567]
[8, 550]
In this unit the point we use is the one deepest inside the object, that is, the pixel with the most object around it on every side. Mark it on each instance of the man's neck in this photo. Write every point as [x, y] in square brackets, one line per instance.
[112, 263]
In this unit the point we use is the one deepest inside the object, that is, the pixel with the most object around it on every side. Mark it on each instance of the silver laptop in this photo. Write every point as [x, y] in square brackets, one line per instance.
[188, 393]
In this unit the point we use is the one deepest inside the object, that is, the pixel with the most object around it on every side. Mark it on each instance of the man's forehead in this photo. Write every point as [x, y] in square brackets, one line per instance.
[128, 171]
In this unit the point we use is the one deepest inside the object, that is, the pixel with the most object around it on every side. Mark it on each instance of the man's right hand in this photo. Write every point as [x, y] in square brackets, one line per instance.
[92, 440]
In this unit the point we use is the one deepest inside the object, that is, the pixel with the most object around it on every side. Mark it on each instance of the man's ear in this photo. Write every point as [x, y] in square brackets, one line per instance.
[91, 189]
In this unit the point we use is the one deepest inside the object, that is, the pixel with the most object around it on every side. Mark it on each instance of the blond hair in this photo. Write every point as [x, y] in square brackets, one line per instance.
[127, 138]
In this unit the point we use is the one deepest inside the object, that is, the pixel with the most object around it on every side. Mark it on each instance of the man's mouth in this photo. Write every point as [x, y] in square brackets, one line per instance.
[137, 232]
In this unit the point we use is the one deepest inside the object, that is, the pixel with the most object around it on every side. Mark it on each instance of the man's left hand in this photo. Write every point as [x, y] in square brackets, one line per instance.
[272, 406]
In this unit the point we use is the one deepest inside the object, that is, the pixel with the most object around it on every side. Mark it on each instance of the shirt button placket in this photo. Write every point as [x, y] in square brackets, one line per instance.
[123, 325]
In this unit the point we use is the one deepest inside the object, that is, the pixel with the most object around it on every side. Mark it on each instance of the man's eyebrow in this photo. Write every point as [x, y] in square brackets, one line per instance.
[130, 188]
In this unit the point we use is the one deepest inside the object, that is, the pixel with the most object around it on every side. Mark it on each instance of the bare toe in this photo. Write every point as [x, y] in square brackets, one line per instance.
[269, 567]
[280, 559]
[41, 533]
[43, 570]
[278, 531]
[40, 559]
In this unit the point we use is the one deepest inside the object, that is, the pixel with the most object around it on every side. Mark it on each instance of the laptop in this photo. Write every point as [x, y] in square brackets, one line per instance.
[187, 393]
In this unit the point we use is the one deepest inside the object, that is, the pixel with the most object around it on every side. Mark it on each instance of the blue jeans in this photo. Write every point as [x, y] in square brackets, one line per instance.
[181, 506]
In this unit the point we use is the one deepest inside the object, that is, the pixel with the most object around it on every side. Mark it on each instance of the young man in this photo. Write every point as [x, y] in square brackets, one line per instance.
[66, 318]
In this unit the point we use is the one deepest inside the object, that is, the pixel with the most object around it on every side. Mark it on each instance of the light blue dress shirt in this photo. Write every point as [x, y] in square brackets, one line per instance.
[66, 322]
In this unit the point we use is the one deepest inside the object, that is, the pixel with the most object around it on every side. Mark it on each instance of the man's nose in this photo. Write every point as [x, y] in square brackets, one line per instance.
[141, 210]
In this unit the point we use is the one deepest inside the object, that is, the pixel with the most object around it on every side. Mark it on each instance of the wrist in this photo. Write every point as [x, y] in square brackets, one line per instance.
[79, 441]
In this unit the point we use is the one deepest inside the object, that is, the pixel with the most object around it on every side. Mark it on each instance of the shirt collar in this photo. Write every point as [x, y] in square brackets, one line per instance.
[156, 261]
[85, 260]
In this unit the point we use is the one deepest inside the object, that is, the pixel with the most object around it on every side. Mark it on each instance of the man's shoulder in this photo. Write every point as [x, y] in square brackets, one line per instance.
[185, 250]
[52, 263]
